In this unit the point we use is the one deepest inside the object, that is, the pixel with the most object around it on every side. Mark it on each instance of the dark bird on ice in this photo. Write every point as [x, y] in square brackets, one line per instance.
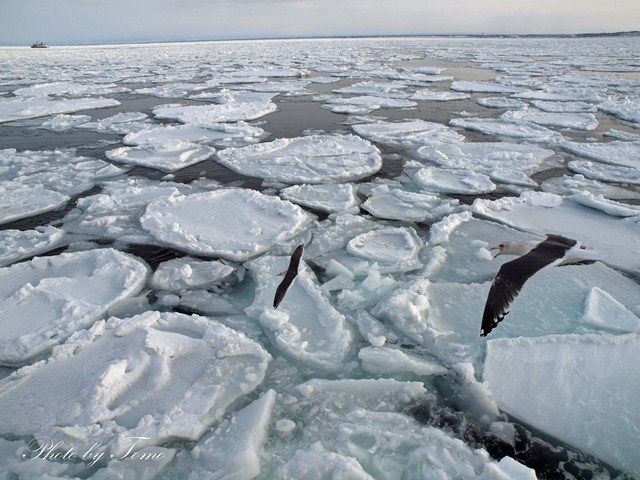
[289, 276]
[555, 250]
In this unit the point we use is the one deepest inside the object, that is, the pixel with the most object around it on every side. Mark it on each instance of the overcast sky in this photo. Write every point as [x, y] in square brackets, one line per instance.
[114, 21]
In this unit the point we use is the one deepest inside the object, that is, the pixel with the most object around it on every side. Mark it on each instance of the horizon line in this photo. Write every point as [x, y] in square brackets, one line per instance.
[355, 36]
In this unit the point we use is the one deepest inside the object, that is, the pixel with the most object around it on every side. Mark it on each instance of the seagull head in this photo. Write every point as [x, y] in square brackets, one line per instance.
[512, 248]
[499, 248]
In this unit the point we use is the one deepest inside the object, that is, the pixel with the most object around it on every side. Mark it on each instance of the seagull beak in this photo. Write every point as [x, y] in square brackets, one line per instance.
[499, 251]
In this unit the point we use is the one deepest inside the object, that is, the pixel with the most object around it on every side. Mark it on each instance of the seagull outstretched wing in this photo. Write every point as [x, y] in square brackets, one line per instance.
[512, 276]
[289, 276]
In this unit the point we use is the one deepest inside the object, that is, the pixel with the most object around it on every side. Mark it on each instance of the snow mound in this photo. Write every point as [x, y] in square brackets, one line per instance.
[48, 298]
[453, 180]
[559, 369]
[312, 159]
[133, 383]
[235, 224]
[305, 326]
[327, 198]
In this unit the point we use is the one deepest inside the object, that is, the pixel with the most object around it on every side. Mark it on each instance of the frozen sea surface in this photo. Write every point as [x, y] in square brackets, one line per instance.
[151, 196]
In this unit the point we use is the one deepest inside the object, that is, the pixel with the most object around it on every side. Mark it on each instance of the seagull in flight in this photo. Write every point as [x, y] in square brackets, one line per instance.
[289, 276]
[555, 250]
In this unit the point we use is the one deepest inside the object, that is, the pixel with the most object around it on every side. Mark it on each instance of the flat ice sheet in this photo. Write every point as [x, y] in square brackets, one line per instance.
[48, 298]
[486, 157]
[235, 224]
[407, 133]
[222, 134]
[522, 130]
[626, 154]
[312, 159]
[231, 111]
[453, 180]
[332, 197]
[168, 157]
[18, 108]
[607, 173]
[580, 382]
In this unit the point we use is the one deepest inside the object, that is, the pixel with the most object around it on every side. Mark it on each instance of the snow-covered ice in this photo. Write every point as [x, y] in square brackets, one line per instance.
[17, 245]
[573, 121]
[408, 133]
[540, 212]
[607, 173]
[511, 128]
[332, 197]
[305, 326]
[449, 180]
[235, 224]
[17, 108]
[626, 154]
[236, 108]
[399, 204]
[133, 383]
[312, 159]
[46, 299]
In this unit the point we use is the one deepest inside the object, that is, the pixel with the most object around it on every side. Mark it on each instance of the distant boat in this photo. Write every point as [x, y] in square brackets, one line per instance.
[39, 45]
